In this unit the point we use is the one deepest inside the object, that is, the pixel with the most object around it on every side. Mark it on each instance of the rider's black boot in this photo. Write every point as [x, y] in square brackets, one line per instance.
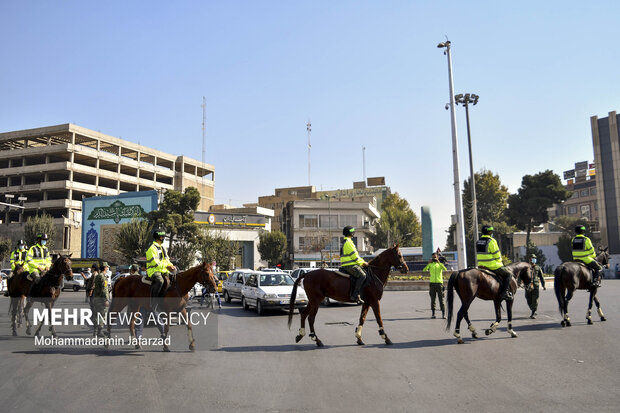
[507, 294]
[357, 286]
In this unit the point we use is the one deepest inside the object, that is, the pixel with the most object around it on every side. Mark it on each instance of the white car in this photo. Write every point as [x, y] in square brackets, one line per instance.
[75, 283]
[232, 286]
[265, 290]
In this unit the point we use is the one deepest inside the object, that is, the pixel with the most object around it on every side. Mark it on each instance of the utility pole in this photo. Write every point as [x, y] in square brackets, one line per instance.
[309, 129]
[460, 228]
[204, 142]
[465, 100]
[364, 161]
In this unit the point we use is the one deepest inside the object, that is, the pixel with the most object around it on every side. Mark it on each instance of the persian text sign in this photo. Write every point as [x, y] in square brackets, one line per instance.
[117, 211]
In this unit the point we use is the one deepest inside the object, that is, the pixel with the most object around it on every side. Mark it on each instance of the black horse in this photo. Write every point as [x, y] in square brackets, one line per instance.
[571, 276]
[472, 283]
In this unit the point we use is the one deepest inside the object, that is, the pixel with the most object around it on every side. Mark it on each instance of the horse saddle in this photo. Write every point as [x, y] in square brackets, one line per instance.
[341, 273]
[489, 272]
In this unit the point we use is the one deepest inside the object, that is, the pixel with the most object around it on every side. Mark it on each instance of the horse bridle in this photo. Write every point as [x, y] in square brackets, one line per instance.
[205, 277]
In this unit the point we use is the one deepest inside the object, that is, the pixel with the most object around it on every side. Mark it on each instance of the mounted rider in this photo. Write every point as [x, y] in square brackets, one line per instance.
[18, 257]
[490, 257]
[158, 266]
[38, 259]
[583, 251]
[352, 263]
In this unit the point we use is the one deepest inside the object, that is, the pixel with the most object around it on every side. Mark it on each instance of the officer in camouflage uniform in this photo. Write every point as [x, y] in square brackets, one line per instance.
[532, 291]
[101, 300]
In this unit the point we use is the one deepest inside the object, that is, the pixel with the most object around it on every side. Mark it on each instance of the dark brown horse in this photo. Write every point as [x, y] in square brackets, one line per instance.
[322, 283]
[47, 290]
[132, 293]
[472, 283]
[572, 276]
[19, 286]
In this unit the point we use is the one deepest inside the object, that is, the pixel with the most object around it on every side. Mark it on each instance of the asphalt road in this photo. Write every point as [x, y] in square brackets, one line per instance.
[248, 363]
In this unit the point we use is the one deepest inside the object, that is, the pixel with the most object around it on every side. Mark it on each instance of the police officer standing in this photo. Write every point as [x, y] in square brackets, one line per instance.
[101, 300]
[38, 258]
[436, 269]
[532, 291]
[583, 251]
[158, 266]
[352, 263]
[18, 257]
[489, 257]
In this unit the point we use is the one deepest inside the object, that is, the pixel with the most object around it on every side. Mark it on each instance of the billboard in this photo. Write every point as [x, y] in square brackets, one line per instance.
[569, 174]
[102, 216]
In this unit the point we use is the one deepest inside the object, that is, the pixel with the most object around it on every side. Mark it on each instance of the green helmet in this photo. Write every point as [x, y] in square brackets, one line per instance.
[159, 234]
[580, 229]
[348, 231]
[42, 236]
[487, 229]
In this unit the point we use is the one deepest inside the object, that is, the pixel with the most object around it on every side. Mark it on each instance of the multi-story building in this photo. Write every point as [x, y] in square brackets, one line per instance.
[282, 196]
[313, 229]
[606, 142]
[54, 167]
[583, 202]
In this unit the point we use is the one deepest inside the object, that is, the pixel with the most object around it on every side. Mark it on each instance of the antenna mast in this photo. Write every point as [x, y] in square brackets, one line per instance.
[364, 161]
[204, 141]
[309, 129]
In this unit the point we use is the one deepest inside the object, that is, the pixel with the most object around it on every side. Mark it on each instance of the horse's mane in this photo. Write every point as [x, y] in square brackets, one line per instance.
[53, 275]
[372, 261]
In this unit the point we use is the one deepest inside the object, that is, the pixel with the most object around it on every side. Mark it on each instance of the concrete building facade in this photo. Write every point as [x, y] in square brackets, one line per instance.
[55, 167]
[313, 230]
[606, 143]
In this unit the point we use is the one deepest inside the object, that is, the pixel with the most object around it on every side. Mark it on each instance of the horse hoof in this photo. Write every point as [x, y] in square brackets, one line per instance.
[319, 343]
[488, 331]
[192, 347]
[563, 323]
[388, 342]
[512, 334]
[568, 324]
[137, 346]
[28, 331]
[14, 333]
[590, 321]
[460, 341]
[474, 335]
[166, 349]
[360, 342]
[298, 338]
[603, 319]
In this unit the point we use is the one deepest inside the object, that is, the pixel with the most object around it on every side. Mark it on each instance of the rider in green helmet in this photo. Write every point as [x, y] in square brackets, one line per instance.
[489, 257]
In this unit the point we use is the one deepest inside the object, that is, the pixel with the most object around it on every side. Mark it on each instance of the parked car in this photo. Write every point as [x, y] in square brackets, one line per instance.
[300, 271]
[233, 284]
[221, 277]
[76, 283]
[271, 270]
[265, 290]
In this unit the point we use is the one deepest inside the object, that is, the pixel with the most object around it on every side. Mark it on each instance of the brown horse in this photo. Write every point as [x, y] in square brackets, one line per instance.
[572, 276]
[47, 290]
[472, 283]
[19, 286]
[322, 283]
[132, 293]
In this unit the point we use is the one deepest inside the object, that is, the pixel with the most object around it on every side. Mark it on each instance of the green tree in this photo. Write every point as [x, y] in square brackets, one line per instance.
[176, 214]
[528, 207]
[184, 253]
[134, 238]
[43, 223]
[272, 247]
[214, 245]
[491, 197]
[5, 248]
[398, 224]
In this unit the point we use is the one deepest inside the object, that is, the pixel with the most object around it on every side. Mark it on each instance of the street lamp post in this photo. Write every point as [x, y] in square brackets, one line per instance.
[460, 228]
[465, 100]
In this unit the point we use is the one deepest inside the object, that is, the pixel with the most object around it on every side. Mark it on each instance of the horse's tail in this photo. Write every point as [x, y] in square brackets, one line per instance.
[450, 297]
[557, 286]
[291, 304]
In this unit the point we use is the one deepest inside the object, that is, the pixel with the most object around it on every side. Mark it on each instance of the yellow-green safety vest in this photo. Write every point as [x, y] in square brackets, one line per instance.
[38, 256]
[18, 258]
[583, 249]
[436, 269]
[349, 255]
[488, 254]
[157, 259]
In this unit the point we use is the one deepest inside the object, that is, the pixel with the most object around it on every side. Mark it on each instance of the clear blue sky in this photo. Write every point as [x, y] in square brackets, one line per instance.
[364, 73]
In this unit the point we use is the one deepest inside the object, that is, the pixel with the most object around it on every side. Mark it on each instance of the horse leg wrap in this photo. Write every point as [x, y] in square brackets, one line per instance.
[600, 312]
[589, 315]
[566, 317]
[511, 331]
[312, 336]
[382, 334]
[358, 332]
[457, 334]
[472, 328]
[302, 332]
[494, 326]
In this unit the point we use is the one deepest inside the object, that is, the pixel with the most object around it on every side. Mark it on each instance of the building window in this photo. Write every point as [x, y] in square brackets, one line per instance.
[575, 195]
[328, 221]
[584, 192]
[348, 220]
[572, 210]
[592, 191]
[585, 211]
[308, 221]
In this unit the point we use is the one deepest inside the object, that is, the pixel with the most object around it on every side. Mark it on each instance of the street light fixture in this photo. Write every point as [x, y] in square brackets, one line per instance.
[465, 100]
[460, 228]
